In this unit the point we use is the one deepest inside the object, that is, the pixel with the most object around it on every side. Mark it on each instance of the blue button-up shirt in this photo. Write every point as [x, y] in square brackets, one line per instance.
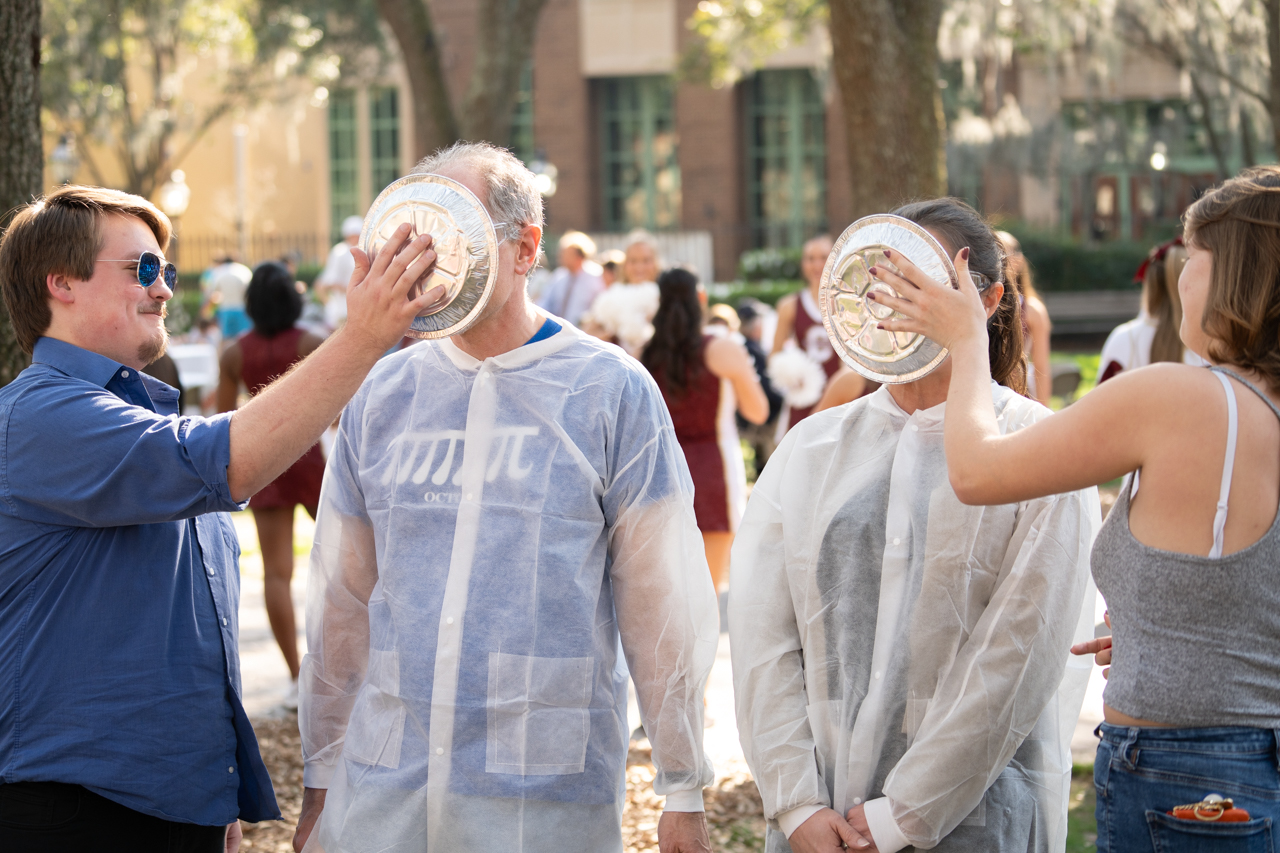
[119, 593]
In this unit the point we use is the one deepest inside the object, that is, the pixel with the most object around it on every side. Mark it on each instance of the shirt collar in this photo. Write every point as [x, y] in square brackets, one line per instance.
[517, 357]
[75, 361]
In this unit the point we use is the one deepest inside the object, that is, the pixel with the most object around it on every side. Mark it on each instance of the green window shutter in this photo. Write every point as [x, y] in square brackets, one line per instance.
[344, 191]
[786, 157]
[384, 137]
[640, 172]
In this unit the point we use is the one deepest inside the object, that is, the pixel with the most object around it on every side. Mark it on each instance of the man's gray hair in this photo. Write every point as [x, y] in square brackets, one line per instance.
[513, 195]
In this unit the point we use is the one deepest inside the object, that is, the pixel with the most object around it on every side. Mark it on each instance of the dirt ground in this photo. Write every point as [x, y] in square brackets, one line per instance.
[734, 812]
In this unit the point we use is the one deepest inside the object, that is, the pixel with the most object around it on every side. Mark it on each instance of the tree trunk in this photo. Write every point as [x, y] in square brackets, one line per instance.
[504, 41]
[435, 124]
[1273, 52]
[885, 58]
[22, 166]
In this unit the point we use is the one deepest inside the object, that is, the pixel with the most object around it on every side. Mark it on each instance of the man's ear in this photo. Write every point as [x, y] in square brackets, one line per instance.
[527, 249]
[59, 287]
[991, 298]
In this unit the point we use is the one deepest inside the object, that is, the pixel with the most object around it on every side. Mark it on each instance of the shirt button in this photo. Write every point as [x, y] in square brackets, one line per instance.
[439, 750]
[449, 621]
[231, 770]
[224, 620]
[124, 374]
[211, 573]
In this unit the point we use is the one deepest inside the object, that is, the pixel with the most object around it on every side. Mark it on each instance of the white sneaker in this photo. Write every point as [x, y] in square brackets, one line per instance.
[291, 698]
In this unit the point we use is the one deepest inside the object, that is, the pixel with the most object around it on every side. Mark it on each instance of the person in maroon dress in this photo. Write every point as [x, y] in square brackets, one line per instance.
[256, 359]
[704, 378]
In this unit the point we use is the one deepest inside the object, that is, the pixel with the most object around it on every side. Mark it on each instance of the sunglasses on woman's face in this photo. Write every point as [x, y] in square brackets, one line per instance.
[150, 266]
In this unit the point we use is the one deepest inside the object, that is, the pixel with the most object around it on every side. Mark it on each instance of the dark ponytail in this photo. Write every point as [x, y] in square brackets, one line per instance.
[672, 355]
[957, 225]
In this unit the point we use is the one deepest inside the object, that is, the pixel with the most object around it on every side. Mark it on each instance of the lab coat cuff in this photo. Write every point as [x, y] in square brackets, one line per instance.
[317, 774]
[884, 829]
[790, 821]
[684, 801]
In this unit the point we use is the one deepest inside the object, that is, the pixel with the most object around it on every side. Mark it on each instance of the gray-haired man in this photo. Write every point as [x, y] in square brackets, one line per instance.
[499, 508]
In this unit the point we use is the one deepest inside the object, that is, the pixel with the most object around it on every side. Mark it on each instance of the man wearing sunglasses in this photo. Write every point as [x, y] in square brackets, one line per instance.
[121, 725]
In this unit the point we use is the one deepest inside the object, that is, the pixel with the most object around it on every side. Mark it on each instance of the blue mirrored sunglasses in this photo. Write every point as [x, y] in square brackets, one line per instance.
[150, 267]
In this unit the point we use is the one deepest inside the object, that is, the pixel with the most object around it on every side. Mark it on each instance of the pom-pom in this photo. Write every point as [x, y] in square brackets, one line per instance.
[797, 377]
[625, 312]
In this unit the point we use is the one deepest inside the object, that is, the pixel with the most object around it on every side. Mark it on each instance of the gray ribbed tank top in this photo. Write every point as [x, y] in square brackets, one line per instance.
[1196, 639]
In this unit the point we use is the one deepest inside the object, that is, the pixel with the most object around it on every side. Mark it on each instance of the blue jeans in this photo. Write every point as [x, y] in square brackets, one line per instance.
[1141, 773]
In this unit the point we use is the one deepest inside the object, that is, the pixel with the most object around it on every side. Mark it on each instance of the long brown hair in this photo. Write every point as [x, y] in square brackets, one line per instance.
[1239, 224]
[1160, 293]
[959, 225]
[672, 354]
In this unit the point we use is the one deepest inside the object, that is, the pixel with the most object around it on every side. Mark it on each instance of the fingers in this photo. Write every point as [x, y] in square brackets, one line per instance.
[850, 836]
[1091, 647]
[361, 269]
[907, 271]
[961, 263]
[389, 252]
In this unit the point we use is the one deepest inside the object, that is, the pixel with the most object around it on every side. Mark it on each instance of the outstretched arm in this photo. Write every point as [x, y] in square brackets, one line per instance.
[279, 424]
[1108, 433]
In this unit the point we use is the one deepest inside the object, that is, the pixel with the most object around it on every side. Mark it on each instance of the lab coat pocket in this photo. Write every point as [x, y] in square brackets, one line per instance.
[376, 729]
[538, 715]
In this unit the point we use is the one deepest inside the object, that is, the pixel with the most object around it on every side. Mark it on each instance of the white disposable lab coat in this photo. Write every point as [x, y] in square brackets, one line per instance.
[486, 530]
[890, 642]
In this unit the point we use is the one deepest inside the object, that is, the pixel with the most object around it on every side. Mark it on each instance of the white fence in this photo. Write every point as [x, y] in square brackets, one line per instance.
[691, 248]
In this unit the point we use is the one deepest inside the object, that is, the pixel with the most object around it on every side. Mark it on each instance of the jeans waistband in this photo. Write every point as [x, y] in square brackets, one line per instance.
[1170, 738]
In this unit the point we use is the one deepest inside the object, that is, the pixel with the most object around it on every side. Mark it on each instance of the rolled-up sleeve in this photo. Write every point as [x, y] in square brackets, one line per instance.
[89, 459]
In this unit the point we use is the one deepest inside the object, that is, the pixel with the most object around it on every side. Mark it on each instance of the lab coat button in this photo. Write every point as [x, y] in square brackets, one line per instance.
[915, 428]
[897, 541]
[470, 496]
[877, 676]
[449, 621]
[439, 750]
[857, 801]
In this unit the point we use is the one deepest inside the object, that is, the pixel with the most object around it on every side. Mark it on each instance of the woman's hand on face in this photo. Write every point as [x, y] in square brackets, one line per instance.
[931, 308]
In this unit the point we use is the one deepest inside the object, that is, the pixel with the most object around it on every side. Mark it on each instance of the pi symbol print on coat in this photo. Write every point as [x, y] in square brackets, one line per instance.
[416, 454]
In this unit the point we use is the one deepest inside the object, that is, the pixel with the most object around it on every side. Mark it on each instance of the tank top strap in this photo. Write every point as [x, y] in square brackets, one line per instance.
[1246, 383]
[1228, 466]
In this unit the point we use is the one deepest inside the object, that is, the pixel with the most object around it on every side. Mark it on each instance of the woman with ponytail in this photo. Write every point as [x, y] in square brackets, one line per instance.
[898, 657]
[703, 379]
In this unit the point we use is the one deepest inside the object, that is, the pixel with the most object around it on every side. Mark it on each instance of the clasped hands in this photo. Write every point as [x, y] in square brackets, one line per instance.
[827, 832]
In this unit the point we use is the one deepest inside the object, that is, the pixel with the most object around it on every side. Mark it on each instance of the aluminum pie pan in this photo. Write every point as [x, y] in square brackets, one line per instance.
[891, 358]
[466, 246]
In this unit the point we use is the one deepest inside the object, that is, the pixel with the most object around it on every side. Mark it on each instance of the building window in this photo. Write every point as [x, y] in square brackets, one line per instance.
[344, 191]
[384, 138]
[641, 175]
[786, 157]
[522, 117]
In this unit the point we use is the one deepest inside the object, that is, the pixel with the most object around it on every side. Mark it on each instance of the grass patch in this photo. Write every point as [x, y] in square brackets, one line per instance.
[1082, 827]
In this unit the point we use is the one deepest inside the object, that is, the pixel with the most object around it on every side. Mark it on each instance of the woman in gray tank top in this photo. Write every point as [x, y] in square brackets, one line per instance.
[1189, 558]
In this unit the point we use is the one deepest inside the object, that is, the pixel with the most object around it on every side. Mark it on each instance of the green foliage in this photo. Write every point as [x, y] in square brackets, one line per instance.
[1082, 825]
[1059, 264]
[766, 264]
[738, 35]
[116, 73]
[769, 291]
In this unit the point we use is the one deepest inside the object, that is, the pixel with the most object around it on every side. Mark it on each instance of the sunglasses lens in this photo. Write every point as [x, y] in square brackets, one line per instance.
[148, 269]
[171, 276]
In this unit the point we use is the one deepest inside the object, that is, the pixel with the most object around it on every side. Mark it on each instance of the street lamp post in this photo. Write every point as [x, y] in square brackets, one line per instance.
[63, 160]
[175, 196]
